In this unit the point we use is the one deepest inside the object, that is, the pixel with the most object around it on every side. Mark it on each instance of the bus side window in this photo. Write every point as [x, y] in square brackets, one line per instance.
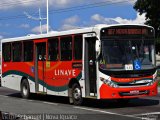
[66, 48]
[53, 49]
[78, 42]
[28, 51]
[17, 51]
[6, 47]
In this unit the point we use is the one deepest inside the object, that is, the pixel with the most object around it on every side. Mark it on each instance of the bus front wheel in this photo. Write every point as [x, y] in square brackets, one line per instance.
[76, 94]
[25, 90]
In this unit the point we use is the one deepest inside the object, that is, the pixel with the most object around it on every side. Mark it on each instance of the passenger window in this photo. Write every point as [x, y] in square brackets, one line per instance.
[66, 48]
[53, 49]
[6, 47]
[17, 51]
[28, 51]
[78, 47]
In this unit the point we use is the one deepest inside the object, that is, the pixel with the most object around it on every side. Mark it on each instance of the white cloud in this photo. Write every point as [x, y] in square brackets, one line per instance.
[37, 29]
[24, 26]
[63, 3]
[125, 2]
[1, 37]
[70, 23]
[68, 27]
[72, 20]
[96, 19]
[140, 19]
[132, 1]
[10, 4]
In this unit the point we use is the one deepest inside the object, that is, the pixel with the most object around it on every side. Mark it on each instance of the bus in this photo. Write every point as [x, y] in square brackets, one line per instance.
[100, 62]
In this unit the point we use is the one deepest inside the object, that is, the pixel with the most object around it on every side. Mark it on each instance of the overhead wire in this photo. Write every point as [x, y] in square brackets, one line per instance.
[16, 3]
[80, 7]
[88, 6]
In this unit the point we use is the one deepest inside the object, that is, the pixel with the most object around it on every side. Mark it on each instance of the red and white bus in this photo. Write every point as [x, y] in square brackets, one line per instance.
[100, 62]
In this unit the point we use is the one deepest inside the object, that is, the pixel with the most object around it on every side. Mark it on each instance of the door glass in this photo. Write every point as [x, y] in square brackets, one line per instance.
[41, 52]
[40, 67]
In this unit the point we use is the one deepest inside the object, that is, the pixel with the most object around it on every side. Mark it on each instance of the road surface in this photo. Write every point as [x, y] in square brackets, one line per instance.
[53, 108]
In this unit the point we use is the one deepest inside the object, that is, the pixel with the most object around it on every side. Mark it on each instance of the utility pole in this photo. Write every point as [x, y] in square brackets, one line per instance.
[47, 16]
[37, 19]
[40, 20]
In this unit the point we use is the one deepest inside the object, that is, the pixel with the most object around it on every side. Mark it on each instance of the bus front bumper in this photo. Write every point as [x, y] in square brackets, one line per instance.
[107, 92]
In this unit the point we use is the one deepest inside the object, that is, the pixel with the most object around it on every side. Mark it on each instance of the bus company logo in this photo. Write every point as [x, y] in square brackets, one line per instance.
[65, 73]
[124, 80]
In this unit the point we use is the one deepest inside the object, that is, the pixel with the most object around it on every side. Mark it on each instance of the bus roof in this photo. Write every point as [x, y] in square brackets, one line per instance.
[95, 28]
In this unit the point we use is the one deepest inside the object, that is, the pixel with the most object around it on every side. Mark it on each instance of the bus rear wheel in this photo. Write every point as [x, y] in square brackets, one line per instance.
[76, 94]
[25, 90]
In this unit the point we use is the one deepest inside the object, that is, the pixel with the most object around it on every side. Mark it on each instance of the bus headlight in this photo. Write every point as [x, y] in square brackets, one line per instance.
[109, 82]
[149, 84]
[153, 81]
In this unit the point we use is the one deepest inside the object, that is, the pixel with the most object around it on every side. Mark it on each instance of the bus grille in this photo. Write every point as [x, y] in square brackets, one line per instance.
[144, 92]
[131, 84]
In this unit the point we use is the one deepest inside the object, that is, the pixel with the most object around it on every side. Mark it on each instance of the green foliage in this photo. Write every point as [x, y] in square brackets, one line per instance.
[152, 10]
[158, 73]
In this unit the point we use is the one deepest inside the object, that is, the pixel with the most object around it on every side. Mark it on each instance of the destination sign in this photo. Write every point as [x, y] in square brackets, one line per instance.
[127, 31]
[118, 31]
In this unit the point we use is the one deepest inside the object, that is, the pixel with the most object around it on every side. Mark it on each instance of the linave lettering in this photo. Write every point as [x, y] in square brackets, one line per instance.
[64, 72]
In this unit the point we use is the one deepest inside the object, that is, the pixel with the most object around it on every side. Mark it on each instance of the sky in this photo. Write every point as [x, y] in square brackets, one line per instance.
[63, 15]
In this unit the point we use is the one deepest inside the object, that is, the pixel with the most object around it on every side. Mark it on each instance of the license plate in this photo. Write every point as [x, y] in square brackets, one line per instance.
[134, 92]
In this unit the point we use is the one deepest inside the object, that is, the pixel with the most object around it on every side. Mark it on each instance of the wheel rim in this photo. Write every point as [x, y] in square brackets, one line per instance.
[77, 93]
[25, 90]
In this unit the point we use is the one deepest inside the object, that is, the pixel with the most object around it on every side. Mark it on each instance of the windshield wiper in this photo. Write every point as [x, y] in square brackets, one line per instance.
[142, 46]
[141, 49]
[137, 53]
[130, 44]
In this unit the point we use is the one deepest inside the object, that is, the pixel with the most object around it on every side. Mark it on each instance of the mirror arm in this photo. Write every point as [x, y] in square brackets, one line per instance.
[98, 47]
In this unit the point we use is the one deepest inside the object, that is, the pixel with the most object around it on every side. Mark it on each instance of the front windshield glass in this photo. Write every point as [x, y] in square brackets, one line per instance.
[127, 54]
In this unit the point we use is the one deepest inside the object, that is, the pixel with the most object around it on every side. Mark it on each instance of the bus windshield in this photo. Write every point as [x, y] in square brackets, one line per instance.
[127, 54]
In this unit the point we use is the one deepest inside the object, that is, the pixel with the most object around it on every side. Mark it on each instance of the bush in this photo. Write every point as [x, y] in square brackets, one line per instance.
[158, 74]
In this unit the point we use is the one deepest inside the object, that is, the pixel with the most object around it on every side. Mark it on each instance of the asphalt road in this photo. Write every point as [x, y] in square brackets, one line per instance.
[41, 107]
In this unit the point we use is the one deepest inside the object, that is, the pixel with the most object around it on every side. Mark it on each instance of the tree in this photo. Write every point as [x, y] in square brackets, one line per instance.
[152, 10]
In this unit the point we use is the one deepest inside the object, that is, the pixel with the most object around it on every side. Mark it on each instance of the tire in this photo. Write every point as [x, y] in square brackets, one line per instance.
[76, 94]
[25, 89]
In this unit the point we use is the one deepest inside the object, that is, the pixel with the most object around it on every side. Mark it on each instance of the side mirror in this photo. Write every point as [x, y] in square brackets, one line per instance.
[98, 48]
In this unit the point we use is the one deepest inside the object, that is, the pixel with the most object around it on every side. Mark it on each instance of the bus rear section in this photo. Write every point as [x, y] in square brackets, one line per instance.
[127, 66]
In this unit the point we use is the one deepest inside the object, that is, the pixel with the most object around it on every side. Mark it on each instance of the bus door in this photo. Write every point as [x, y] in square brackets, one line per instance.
[40, 67]
[90, 64]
